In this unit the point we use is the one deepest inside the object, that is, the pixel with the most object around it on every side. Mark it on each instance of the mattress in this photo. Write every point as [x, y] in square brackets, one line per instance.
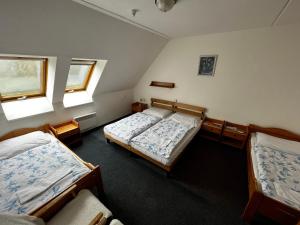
[31, 178]
[175, 152]
[125, 129]
[278, 172]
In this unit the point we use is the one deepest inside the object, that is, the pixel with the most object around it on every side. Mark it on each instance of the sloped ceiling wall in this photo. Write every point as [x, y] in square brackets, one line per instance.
[65, 29]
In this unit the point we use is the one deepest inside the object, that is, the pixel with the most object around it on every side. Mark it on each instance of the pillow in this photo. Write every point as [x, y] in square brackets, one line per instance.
[158, 112]
[185, 119]
[265, 140]
[17, 145]
[7, 219]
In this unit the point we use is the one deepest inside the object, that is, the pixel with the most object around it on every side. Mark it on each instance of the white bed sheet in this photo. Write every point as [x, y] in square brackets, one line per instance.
[32, 168]
[176, 151]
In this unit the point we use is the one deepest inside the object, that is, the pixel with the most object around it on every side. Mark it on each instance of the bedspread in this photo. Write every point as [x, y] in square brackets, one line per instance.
[279, 175]
[35, 168]
[162, 138]
[127, 128]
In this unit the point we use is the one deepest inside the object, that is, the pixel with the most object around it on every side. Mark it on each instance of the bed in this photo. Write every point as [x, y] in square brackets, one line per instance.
[39, 174]
[163, 142]
[273, 175]
[122, 131]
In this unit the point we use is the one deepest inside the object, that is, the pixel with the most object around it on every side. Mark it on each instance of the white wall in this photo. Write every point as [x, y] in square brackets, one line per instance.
[108, 106]
[257, 78]
[66, 30]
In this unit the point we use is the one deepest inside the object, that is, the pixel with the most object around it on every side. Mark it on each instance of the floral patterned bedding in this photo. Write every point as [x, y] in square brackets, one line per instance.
[28, 173]
[279, 174]
[162, 138]
[125, 129]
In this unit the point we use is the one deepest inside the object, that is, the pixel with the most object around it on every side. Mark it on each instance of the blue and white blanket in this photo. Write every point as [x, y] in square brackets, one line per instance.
[125, 129]
[162, 138]
[30, 179]
[279, 174]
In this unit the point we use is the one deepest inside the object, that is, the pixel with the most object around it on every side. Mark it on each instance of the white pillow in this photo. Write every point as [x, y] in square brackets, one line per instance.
[265, 140]
[158, 112]
[186, 120]
[17, 145]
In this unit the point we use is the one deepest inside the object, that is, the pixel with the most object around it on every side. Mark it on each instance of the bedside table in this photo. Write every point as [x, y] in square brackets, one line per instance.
[138, 107]
[212, 129]
[68, 132]
[234, 135]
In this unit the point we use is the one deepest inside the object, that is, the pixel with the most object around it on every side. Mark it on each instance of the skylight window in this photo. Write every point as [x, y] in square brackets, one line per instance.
[22, 77]
[79, 75]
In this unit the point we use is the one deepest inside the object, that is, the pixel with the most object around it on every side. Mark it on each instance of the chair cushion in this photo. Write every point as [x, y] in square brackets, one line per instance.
[81, 210]
[116, 222]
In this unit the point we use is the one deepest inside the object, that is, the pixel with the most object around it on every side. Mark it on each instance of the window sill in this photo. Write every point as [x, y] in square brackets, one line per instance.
[76, 99]
[24, 108]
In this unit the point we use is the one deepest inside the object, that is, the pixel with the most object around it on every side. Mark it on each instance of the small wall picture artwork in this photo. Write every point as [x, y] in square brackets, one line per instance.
[207, 65]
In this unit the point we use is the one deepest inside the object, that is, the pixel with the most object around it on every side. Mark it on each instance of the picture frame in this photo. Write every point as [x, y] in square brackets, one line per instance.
[207, 65]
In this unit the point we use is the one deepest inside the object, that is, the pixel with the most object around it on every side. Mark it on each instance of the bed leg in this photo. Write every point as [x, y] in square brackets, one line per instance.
[251, 207]
[168, 174]
[107, 141]
[98, 180]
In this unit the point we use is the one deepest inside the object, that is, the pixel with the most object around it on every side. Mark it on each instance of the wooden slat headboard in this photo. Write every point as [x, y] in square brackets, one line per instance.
[164, 104]
[277, 132]
[178, 107]
[189, 109]
[22, 131]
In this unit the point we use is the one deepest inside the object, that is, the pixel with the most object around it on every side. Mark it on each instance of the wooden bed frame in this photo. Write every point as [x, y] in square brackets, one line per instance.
[88, 181]
[258, 202]
[172, 106]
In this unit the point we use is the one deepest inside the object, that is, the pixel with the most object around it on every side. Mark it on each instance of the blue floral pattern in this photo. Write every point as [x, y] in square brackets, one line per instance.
[279, 169]
[29, 168]
[131, 126]
[162, 138]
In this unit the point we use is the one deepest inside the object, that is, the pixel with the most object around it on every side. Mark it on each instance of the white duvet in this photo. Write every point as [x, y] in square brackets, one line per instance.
[129, 127]
[162, 138]
[33, 177]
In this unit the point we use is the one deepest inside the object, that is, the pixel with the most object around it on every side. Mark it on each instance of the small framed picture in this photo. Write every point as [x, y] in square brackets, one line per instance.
[207, 65]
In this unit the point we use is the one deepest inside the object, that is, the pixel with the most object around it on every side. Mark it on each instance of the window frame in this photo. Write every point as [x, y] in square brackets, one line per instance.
[88, 76]
[43, 79]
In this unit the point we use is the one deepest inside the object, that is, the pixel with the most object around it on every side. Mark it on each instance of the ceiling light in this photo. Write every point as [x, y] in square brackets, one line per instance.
[165, 5]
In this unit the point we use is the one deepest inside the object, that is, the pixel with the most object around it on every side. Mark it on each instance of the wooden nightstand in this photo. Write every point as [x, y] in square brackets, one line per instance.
[138, 107]
[224, 132]
[68, 132]
[212, 129]
[234, 135]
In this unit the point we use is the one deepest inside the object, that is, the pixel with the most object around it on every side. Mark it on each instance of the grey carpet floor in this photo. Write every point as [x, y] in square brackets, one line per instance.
[208, 185]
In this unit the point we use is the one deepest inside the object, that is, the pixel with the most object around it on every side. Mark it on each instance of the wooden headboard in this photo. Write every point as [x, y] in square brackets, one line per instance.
[22, 131]
[276, 132]
[189, 109]
[164, 104]
[178, 107]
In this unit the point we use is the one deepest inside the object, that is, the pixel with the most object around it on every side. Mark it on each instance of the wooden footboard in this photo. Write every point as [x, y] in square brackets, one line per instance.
[131, 149]
[88, 181]
[258, 202]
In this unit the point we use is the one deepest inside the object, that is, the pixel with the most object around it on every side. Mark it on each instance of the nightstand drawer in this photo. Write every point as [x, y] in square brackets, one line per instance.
[69, 133]
[234, 135]
[212, 129]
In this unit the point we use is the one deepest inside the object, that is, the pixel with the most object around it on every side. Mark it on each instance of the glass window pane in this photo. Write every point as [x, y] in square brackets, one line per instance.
[77, 76]
[20, 77]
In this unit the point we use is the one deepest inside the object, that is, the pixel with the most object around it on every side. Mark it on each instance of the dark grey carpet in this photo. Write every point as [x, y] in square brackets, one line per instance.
[208, 184]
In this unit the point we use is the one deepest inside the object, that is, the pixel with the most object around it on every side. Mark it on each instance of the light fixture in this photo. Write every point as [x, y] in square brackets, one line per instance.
[165, 5]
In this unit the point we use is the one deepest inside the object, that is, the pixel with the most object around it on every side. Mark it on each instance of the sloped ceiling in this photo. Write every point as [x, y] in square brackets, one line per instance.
[65, 29]
[196, 17]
